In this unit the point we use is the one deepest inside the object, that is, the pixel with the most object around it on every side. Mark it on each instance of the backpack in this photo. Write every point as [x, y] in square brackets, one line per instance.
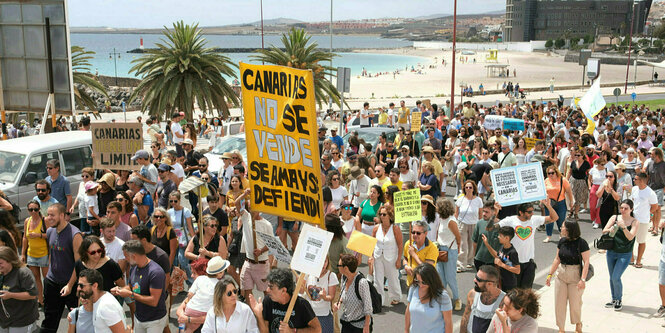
[377, 303]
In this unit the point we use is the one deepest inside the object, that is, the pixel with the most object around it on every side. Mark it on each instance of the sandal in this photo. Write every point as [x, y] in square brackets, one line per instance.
[395, 302]
[638, 265]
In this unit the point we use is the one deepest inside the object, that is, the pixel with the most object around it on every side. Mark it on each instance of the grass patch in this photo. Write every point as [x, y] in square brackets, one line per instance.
[651, 104]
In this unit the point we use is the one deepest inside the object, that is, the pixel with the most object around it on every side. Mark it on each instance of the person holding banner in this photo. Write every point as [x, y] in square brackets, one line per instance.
[388, 255]
[256, 266]
[270, 311]
[525, 224]
[418, 250]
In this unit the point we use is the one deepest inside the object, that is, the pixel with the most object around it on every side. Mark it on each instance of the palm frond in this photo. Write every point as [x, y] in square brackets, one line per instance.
[83, 79]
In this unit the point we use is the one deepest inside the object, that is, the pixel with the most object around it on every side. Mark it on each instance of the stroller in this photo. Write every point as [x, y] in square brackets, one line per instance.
[522, 93]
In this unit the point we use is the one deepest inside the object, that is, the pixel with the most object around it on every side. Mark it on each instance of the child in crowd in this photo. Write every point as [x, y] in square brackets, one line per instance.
[92, 204]
[506, 260]
[347, 218]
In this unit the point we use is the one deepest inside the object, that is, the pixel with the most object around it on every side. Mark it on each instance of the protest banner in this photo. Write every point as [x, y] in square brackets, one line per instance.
[513, 124]
[361, 243]
[530, 143]
[416, 121]
[308, 257]
[493, 122]
[276, 248]
[282, 145]
[198, 186]
[518, 184]
[407, 206]
[114, 144]
[427, 103]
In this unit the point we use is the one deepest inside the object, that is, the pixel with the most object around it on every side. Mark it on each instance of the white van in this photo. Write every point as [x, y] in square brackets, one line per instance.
[23, 162]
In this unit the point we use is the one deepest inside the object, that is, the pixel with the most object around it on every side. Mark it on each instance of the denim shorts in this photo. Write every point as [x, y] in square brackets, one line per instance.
[661, 272]
[289, 226]
[37, 262]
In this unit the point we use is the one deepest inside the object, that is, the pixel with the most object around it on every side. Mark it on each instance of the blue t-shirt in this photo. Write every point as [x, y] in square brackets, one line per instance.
[428, 317]
[44, 205]
[60, 188]
[433, 182]
[141, 279]
[147, 201]
[338, 141]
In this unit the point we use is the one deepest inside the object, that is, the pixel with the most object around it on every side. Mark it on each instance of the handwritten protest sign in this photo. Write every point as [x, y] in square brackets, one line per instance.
[114, 144]
[427, 103]
[493, 122]
[361, 243]
[311, 251]
[518, 184]
[416, 119]
[275, 247]
[513, 124]
[407, 206]
[282, 145]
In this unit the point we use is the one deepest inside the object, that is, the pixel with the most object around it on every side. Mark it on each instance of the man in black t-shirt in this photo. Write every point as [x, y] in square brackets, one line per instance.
[218, 213]
[272, 310]
[388, 156]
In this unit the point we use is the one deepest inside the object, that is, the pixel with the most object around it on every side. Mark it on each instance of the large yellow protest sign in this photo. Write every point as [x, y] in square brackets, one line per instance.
[282, 145]
[530, 143]
[114, 144]
[407, 206]
[416, 119]
[361, 243]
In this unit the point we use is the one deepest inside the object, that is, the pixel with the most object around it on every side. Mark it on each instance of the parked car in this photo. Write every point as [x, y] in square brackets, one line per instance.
[226, 144]
[371, 135]
[23, 162]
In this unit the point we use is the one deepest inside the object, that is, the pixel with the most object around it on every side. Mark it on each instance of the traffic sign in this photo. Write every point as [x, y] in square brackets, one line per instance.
[633, 96]
[617, 92]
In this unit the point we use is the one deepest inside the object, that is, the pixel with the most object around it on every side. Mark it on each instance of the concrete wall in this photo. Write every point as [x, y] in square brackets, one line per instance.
[122, 81]
[508, 46]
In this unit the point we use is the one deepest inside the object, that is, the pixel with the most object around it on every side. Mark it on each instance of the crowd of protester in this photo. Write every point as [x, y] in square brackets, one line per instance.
[130, 237]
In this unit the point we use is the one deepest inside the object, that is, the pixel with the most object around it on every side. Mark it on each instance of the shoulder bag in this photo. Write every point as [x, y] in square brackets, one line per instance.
[605, 241]
[590, 272]
[555, 201]
[443, 255]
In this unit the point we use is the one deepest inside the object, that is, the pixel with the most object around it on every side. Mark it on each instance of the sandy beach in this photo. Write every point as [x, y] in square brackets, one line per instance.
[533, 70]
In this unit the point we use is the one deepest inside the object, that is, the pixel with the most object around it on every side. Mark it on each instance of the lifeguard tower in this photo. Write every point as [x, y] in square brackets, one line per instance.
[492, 55]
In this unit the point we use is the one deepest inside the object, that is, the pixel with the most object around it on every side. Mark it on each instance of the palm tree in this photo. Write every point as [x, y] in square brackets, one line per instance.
[301, 54]
[83, 79]
[182, 70]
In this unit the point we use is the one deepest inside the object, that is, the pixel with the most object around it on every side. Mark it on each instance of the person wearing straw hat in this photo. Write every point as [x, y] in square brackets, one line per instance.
[192, 311]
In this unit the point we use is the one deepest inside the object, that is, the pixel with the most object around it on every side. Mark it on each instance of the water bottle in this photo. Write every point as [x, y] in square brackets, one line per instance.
[614, 230]
[181, 328]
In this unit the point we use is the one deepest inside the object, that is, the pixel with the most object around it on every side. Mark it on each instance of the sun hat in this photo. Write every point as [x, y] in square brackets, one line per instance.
[427, 198]
[217, 265]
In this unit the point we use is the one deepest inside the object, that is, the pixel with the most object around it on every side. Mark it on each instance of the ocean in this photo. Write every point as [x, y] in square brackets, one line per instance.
[104, 44]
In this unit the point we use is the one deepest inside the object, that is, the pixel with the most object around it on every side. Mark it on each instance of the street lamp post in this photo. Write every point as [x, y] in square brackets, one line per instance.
[452, 83]
[630, 45]
[115, 55]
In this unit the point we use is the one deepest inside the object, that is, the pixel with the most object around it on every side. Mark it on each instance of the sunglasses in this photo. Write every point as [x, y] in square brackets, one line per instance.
[202, 165]
[469, 187]
[85, 176]
[383, 214]
[92, 253]
[50, 168]
[417, 233]
[173, 201]
[336, 178]
[33, 209]
[609, 176]
[81, 285]
[481, 280]
[418, 283]
[529, 211]
[41, 190]
[158, 216]
[119, 199]
[206, 179]
[212, 225]
[347, 208]
[551, 173]
[232, 292]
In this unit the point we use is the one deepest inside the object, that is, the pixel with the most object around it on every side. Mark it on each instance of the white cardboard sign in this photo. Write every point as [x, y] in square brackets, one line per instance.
[311, 251]
[493, 122]
[518, 184]
[275, 247]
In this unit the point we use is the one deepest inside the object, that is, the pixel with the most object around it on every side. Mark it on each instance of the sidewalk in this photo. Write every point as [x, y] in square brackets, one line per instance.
[640, 298]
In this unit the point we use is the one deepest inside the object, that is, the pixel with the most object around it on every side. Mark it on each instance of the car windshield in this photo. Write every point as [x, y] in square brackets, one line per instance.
[229, 144]
[10, 165]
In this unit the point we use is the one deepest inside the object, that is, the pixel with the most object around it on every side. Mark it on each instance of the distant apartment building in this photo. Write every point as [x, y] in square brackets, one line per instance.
[528, 20]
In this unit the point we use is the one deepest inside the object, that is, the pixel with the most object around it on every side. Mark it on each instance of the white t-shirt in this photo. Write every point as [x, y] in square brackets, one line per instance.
[468, 209]
[114, 249]
[338, 164]
[203, 289]
[642, 200]
[314, 286]
[338, 195]
[359, 186]
[364, 121]
[150, 171]
[524, 235]
[91, 201]
[106, 312]
[597, 176]
[176, 128]
[348, 224]
[178, 170]
[564, 153]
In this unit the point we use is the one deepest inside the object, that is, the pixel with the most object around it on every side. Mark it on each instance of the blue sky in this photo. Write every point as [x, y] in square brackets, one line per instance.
[157, 13]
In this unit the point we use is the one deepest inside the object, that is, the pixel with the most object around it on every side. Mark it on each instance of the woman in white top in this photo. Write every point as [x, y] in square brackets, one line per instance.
[429, 215]
[337, 160]
[216, 130]
[624, 181]
[227, 315]
[520, 151]
[388, 255]
[448, 239]
[406, 175]
[320, 291]
[631, 161]
[469, 208]
[596, 178]
[87, 174]
[339, 192]
[181, 218]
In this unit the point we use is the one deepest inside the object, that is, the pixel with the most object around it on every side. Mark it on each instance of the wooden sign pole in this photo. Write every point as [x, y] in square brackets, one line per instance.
[292, 303]
[410, 243]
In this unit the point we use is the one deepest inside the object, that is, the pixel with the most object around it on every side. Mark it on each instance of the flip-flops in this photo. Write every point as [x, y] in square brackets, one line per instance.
[638, 265]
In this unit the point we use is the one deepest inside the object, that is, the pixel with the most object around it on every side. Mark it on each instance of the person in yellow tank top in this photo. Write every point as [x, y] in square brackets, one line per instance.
[35, 248]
